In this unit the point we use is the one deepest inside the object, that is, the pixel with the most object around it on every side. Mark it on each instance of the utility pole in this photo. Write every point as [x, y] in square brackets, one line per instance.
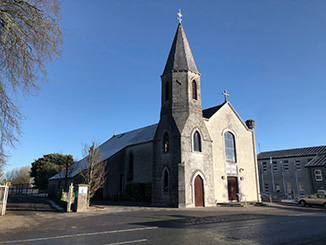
[66, 173]
[272, 171]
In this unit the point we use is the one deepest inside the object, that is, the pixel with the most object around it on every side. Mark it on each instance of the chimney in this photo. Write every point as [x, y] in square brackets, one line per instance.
[250, 124]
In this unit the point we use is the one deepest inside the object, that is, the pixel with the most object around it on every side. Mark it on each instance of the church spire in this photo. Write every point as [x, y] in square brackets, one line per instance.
[180, 57]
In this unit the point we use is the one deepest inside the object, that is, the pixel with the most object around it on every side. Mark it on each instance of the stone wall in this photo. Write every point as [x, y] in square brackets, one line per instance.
[117, 169]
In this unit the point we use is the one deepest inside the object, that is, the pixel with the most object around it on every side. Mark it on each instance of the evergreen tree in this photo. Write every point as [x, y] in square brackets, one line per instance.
[47, 166]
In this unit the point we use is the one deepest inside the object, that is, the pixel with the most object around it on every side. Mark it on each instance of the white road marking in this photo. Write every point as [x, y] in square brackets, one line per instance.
[79, 235]
[304, 214]
[128, 242]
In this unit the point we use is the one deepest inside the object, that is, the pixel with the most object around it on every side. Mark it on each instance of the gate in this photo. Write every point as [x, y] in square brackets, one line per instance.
[3, 198]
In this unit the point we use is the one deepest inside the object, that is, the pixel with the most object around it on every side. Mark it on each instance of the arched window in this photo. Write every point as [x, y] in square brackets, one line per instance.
[197, 142]
[166, 91]
[194, 90]
[131, 168]
[166, 142]
[166, 180]
[229, 147]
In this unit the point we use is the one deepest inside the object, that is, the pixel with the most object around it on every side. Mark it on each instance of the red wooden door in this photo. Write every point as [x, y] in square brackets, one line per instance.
[233, 188]
[199, 192]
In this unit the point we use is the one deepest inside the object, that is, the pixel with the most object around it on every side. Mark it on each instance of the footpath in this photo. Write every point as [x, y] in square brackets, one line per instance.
[24, 212]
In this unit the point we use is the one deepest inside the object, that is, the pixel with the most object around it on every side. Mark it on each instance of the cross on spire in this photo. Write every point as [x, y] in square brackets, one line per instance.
[179, 16]
[226, 95]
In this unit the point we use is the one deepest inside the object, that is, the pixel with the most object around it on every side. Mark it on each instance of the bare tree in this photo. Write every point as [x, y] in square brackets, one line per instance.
[19, 175]
[95, 174]
[30, 37]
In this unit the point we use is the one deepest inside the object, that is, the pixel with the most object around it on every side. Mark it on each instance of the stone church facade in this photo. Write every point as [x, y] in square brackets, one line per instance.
[192, 157]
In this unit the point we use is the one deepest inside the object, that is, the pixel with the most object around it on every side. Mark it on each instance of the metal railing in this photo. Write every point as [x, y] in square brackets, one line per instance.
[26, 189]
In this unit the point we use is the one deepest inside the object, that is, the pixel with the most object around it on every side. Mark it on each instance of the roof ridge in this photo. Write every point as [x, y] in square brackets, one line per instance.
[300, 148]
[137, 129]
[296, 152]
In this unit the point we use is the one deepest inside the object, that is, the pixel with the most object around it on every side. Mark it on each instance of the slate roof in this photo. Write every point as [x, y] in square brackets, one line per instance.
[298, 152]
[180, 56]
[121, 141]
[318, 161]
[113, 146]
[207, 113]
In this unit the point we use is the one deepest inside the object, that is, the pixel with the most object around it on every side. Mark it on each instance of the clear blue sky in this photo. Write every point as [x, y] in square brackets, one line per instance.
[269, 55]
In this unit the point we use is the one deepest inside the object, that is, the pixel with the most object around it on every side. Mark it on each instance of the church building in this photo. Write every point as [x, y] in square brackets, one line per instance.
[192, 157]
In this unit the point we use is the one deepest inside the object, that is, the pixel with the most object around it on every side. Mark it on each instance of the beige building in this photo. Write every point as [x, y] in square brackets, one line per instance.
[192, 157]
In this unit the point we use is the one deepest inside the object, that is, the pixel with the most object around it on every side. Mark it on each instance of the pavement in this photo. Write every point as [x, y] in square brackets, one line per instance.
[24, 212]
[33, 219]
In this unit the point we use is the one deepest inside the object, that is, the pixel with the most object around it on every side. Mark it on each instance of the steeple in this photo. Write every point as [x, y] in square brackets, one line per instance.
[180, 57]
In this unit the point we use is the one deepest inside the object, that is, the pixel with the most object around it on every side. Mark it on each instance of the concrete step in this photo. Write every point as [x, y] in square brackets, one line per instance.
[230, 204]
[258, 204]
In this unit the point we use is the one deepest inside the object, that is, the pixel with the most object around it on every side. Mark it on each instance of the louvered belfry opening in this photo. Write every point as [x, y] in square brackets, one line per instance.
[194, 90]
[167, 91]
[166, 142]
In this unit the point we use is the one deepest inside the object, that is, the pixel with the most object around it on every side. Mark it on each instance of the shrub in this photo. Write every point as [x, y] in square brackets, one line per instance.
[139, 192]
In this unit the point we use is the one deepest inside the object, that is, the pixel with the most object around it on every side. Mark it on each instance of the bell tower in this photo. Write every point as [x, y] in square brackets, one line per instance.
[180, 118]
[180, 78]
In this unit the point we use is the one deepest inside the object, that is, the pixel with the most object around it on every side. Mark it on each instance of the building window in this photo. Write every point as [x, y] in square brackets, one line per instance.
[194, 90]
[297, 165]
[166, 142]
[131, 168]
[264, 167]
[275, 167]
[197, 142]
[229, 147]
[266, 188]
[286, 166]
[318, 175]
[166, 180]
[288, 188]
[122, 184]
[301, 189]
[167, 91]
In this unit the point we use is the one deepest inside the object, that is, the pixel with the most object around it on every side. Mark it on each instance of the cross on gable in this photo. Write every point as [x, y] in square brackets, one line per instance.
[226, 95]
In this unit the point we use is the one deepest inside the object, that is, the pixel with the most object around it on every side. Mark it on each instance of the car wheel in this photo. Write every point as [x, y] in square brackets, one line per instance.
[302, 203]
[324, 205]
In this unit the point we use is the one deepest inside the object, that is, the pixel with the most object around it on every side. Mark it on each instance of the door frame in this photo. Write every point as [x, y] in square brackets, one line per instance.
[195, 174]
[238, 187]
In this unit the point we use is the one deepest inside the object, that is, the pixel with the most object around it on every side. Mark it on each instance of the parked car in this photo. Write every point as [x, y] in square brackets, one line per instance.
[312, 200]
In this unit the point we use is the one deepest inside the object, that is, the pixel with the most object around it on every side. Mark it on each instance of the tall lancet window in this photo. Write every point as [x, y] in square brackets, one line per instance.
[131, 168]
[194, 90]
[167, 91]
[197, 142]
[166, 180]
[229, 147]
[166, 142]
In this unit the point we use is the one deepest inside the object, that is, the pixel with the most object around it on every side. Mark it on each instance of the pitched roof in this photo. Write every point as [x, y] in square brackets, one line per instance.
[207, 113]
[180, 56]
[113, 146]
[319, 160]
[298, 152]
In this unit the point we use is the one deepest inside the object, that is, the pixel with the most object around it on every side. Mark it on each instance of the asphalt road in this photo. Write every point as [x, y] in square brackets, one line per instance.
[275, 224]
